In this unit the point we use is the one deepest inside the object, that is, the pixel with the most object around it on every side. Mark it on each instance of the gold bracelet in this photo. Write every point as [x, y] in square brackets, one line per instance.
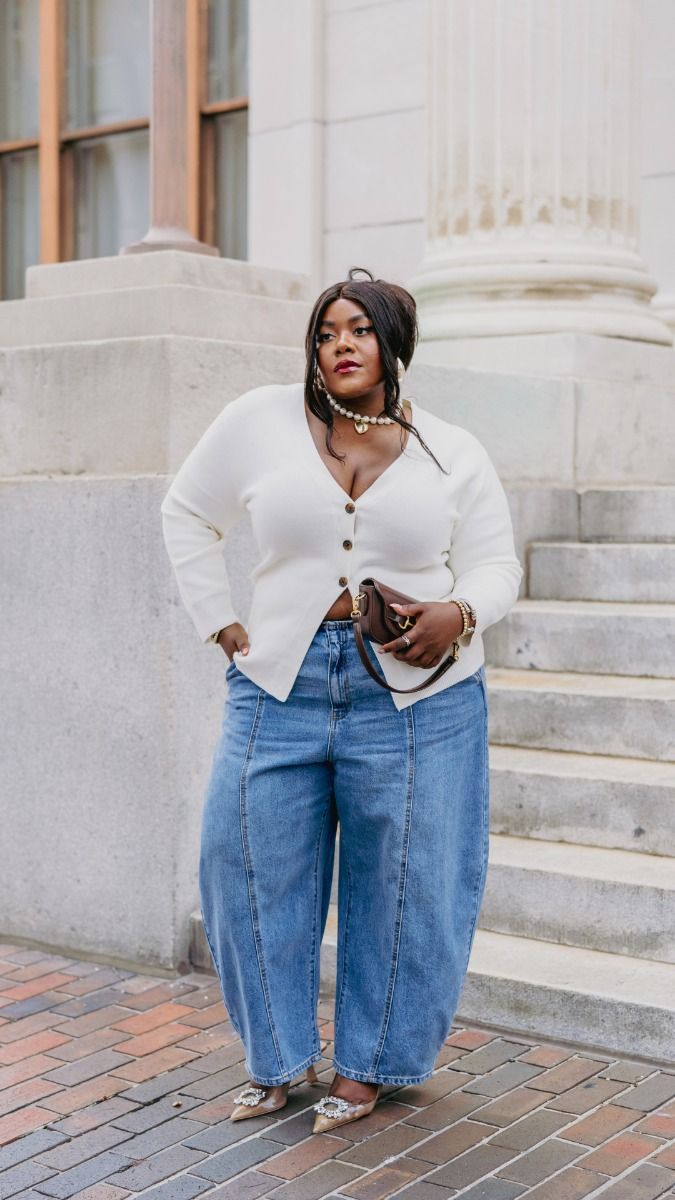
[468, 616]
[465, 616]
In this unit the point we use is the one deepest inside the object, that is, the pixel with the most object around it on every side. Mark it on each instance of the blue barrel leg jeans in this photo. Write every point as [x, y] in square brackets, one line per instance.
[409, 789]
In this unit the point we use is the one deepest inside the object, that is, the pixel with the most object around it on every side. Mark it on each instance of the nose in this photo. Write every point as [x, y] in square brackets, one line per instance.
[343, 338]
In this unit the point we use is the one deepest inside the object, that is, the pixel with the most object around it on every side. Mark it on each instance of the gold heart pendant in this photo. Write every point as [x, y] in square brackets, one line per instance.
[361, 426]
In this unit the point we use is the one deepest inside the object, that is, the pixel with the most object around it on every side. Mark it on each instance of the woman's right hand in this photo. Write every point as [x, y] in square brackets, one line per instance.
[234, 637]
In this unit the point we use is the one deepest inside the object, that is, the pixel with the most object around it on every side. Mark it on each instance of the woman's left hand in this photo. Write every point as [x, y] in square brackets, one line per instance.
[438, 623]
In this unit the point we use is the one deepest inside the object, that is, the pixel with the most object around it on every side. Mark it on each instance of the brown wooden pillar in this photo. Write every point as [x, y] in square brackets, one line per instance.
[173, 130]
[51, 70]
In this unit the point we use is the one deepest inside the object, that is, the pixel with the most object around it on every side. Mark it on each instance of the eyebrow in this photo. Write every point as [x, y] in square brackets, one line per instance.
[356, 317]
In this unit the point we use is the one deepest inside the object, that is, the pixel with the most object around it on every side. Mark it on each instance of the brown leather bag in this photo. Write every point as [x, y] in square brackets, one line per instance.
[372, 617]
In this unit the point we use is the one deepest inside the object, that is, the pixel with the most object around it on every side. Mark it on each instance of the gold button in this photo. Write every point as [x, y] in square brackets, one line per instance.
[343, 581]
[346, 545]
[350, 507]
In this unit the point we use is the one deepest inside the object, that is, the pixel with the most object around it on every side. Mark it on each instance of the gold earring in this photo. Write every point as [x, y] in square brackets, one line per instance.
[400, 369]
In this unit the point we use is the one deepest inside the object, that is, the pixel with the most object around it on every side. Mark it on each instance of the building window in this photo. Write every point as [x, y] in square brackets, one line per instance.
[110, 185]
[77, 186]
[19, 243]
[19, 50]
[106, 102]
[225, 129]
[227, 50]
[107, 62]
[19, 103]
[230, 192]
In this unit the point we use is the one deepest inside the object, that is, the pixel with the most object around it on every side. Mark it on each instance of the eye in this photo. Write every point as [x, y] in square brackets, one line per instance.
[320, 337]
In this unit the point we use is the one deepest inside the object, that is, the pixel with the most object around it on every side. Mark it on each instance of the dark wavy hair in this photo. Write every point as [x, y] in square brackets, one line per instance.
[393, 313]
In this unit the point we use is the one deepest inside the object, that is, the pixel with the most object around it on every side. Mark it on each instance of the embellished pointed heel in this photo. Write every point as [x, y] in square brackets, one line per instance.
[258, 1099]
[332, 1111]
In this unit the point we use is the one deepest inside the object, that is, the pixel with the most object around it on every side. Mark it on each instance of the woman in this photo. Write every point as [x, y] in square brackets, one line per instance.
[342, 481]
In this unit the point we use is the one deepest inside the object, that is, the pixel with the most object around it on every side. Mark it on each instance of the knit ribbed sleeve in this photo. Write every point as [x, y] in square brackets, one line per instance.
[203, 502]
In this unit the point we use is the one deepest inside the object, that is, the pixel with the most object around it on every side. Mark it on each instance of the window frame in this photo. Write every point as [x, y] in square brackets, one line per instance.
[202, 128]
[54, 142]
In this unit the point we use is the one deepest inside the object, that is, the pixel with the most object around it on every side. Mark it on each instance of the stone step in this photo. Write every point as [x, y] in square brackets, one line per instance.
[594, 800]
[586, 635]
[630, 571]
[590, 714]
[589, 997]
[185, 382]
[164, 309]
[635, 514]
[603, 1001]
[614, 900]
[121, 271]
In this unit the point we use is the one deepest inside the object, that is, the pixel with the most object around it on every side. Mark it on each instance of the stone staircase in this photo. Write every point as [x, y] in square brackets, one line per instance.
[577, 931]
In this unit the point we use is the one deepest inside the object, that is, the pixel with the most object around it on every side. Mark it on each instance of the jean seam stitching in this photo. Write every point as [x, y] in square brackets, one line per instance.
[410, 723]
[248, 867]
[331, 719]
[232, 1018]
[342, 971]
[312, 954]
[480, 881]
[346, 690]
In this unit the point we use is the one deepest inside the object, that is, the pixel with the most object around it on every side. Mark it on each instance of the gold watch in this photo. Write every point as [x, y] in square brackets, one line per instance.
[214, 636]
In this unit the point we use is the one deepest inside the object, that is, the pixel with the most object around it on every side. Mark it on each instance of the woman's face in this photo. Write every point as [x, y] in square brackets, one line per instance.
[346, 334]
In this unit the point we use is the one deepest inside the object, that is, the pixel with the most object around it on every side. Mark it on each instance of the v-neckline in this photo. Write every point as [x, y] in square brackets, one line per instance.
[324, 469]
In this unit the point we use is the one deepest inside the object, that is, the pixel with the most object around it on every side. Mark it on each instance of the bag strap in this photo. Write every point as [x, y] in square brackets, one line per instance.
[360, 646]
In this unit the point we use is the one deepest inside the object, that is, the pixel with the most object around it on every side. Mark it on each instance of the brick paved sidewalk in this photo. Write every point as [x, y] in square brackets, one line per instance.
[114, 1084]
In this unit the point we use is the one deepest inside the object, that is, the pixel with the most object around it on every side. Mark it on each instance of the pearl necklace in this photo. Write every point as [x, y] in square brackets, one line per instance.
[361, 421]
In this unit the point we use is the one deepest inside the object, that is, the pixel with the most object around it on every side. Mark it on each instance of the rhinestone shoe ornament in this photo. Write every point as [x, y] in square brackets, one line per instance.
[331, 1106]
[250, 1096]
[259, 1101]
[333, 1111]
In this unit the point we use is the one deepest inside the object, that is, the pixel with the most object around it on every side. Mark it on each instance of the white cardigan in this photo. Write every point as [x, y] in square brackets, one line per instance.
[427, 534]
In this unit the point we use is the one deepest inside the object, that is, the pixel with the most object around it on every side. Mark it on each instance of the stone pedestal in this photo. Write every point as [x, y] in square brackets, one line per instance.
[110, 371]
[566, 408]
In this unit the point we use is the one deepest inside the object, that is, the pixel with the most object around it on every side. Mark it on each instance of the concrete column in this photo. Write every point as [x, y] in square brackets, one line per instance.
[657, 146]
[532, 219]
